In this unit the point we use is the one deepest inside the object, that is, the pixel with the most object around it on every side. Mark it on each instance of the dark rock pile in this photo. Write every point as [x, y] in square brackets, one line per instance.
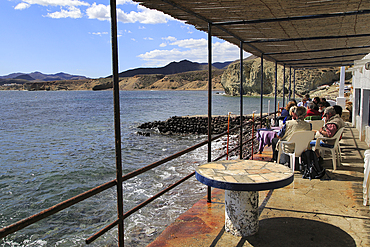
[199, 125]
[192, 125]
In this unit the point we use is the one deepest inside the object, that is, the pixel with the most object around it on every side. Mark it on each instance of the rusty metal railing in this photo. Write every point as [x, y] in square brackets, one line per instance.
[74, 200]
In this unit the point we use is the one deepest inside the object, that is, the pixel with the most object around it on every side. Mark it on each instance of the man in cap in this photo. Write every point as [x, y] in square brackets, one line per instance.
[291, 126]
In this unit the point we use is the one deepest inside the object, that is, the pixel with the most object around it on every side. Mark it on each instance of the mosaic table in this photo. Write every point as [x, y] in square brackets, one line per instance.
[241, 180]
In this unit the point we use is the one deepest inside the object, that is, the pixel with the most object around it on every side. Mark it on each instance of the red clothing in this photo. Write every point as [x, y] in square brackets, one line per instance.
[313, 112]
[331, 129]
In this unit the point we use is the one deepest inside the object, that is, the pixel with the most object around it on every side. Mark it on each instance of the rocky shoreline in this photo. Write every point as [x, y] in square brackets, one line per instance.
[198, 125]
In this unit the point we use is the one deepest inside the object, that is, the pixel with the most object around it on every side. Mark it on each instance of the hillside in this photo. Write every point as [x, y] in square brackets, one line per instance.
[192, 80]
[172, 68]
[184, 75]
[306, 79]
[226, 79]
[37, 77]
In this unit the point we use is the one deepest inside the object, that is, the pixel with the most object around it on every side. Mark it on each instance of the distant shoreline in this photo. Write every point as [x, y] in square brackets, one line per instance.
[332, 92]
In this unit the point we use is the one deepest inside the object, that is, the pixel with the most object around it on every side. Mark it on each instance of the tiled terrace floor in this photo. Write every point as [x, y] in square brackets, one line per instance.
[306, 213]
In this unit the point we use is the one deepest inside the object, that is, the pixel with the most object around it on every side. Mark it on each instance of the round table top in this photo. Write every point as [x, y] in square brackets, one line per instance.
[244, 175]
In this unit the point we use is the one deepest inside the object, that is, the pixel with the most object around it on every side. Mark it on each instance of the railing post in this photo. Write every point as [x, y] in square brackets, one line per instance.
[283, 86]
[261, 89]
[252, 136]
[209, 102]
[117, 122]
[275, 91]
[241, 103]
[294, 83]
[290, 83]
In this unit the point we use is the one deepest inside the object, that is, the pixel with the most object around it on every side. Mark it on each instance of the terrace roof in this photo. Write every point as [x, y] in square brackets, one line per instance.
[299, 34]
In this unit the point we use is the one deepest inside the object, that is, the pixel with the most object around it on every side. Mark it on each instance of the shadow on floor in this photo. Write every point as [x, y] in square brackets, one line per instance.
[285, 231]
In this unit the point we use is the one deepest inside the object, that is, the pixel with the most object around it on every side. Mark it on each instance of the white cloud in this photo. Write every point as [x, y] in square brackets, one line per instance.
[21, 6]
[56, 2]
[98, 11]
[71, 12]
[193, 50]
[148, 38]
[99, 33]
[143, 15]
[167, 39]
[191, 43]
[170, 38]
[121, 2]
[162, 57]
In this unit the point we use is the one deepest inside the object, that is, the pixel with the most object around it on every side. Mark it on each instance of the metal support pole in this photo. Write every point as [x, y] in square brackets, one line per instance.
[284, 87]
[342, 81]
[209, 102]
[290, 83]
[117, 122]
[294, 84]
[241, 102]
[261, 89]
[275, 91]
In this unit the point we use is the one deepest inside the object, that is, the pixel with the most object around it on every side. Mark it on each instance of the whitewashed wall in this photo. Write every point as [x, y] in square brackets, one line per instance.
[361, 96]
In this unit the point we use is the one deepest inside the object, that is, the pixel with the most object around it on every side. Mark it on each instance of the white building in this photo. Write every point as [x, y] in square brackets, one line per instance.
[361, 96]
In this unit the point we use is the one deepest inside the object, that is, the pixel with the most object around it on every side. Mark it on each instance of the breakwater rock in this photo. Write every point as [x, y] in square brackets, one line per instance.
[193, 125]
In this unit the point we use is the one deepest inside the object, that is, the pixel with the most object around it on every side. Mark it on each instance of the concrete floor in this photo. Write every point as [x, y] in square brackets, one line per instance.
[327, 212]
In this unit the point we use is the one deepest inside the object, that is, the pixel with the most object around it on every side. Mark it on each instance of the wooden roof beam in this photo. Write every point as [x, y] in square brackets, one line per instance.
[321, 63]
[321, 58]
[308, 38]
[320, 50]
[293, 18]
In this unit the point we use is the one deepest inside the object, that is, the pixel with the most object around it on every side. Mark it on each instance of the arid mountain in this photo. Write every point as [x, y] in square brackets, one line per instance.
[191, 80]
[172, 68]
[222, 79]
[184, 75]
[24, 77]
[38, 76]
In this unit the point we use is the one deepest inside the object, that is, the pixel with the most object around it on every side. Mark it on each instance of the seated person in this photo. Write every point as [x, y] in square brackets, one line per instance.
[307, 96]
[290, 117]
[321, 108]
[316, 102]
[285, 112]
[338, 109]
[326, 104]
[303, 102]
[311, 111]
[289, 128]
[333, 122]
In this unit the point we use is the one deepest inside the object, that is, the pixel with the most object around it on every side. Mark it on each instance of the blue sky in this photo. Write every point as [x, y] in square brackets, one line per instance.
[73, 36]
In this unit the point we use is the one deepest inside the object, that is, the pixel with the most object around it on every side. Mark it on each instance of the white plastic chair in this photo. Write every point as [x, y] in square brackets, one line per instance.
[335, 150]
[366, 184]
[316, 124]
[301, 140]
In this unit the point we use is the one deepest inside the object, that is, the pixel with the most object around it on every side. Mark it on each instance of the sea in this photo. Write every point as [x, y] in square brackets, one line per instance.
[58, 144]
